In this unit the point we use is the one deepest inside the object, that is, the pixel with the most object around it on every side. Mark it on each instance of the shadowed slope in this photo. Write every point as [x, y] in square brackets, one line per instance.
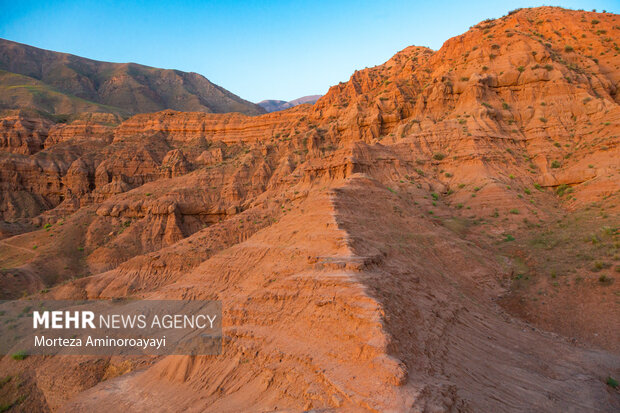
[50, 78]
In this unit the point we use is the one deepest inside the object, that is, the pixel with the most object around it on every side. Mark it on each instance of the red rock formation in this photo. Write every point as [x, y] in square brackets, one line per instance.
[398, 246]
[23, 135]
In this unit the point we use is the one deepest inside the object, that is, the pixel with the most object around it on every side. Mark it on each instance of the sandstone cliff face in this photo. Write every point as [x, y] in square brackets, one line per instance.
[23, 135]
[435, 234]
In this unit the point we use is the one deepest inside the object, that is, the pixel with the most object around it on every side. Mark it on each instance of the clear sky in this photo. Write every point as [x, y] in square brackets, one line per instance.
[256, 49]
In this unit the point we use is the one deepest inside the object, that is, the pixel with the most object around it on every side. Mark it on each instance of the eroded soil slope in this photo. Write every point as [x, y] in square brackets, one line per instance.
[439, 233]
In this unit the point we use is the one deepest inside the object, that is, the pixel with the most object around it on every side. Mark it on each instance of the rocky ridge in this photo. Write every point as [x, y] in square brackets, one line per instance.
[420, 221]
[59, 85]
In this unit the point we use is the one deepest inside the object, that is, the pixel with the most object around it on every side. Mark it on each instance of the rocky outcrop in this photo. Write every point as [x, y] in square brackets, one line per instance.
[435, 234]
[23, 135]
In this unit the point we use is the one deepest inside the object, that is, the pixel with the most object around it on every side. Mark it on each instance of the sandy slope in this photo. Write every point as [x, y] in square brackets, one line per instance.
[398, 246]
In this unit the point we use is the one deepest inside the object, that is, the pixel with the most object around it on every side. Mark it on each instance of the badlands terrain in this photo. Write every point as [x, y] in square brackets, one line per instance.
[437, 234]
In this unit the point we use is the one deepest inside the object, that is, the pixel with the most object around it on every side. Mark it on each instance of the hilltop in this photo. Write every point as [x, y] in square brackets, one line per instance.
[61, 84]
[272, 105]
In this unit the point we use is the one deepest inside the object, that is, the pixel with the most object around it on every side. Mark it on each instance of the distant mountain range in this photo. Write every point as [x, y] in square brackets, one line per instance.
[276, 105]
[59, 83]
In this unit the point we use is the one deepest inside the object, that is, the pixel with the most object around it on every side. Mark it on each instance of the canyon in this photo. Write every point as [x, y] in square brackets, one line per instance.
[439, 233]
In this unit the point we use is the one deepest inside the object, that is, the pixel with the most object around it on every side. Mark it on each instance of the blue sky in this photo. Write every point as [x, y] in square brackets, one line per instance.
[256, 49]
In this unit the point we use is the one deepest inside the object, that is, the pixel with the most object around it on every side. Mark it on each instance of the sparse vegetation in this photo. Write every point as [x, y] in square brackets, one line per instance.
[549, 249]
[563, 189]
[20, 355]
[600, 265]
[5, 380]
